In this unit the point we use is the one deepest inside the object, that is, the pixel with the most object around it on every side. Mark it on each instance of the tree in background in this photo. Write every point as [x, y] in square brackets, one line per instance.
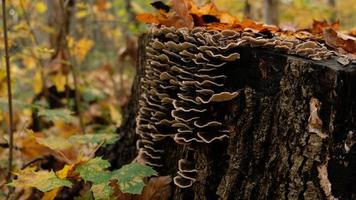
[271, 12]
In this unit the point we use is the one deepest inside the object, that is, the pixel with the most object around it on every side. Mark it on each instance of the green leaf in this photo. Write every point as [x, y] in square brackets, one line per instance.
[94, 170]
[106, 138]
[92, 94]
[18, 104]
[102, 191]
[57, 115]
[130, 177]
[55, 143]
[42, 180]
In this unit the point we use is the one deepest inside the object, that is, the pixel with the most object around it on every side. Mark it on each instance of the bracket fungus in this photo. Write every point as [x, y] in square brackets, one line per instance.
[184, 83]
[184, 79]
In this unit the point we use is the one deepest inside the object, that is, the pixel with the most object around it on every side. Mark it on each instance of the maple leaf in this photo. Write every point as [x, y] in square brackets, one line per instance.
[64, 173]
[102, 191]
[96, 138]
[180, 15]
[130, 177]
[94, 170]
[42, 180]
[318, 26]
[55, 143]
[57, 114]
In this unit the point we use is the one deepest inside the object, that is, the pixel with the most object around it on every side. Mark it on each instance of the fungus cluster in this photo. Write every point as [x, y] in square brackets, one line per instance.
[184, 83]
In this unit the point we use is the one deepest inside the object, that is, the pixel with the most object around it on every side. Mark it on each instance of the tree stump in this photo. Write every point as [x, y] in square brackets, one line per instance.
[291, 129]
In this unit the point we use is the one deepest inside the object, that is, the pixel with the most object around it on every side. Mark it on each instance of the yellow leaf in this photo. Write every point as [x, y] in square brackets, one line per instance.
[45, 50]
[115, 115]
[41, 7]
[51, 195]
[82, 47]
[29, 62]
[81, 14]
[59, 81]
[37, 83]
[1, 116]
[70, 42]
[27, 112]
[64, 173]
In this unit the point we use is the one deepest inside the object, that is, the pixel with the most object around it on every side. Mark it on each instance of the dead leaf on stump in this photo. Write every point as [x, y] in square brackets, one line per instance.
[339, 40]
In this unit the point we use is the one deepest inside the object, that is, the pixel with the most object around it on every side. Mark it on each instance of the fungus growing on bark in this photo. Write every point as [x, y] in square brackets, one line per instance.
[185, 82]
[184, 79]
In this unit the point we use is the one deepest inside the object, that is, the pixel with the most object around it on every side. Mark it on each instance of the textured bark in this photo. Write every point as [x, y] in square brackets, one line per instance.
[271, 152]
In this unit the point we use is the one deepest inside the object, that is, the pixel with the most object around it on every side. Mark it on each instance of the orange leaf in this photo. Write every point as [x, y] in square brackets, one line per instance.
[147, 18]
[101, 4]
[318, 26]
[180, 16]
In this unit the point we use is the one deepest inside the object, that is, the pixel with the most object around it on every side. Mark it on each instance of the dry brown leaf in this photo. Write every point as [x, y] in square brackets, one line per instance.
[181, 16]
[158, 188]
[338, 40]
[318, 26]
[30, 149]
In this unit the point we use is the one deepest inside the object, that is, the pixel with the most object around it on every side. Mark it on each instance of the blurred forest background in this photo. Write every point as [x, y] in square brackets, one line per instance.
[79, 56]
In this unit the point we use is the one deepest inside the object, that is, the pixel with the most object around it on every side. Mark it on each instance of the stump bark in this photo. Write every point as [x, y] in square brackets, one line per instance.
[273, 150]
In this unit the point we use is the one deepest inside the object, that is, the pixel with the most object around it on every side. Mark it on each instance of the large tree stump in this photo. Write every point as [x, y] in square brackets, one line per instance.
[292, 131]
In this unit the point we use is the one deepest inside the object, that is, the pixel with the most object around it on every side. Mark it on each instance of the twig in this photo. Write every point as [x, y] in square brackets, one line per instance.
[92, 153]
[32, 162]
[75, 79]
[77, 97]
[9, 93]
[28, 22]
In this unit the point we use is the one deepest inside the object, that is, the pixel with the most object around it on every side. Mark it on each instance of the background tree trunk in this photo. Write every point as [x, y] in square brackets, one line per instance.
[271, 152]
[332, 5]
[271, 11]
[247, 9]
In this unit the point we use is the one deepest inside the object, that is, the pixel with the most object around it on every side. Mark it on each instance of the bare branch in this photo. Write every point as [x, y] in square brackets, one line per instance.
[9, 93]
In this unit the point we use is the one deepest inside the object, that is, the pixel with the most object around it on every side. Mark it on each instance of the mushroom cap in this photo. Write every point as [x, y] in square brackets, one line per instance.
[183, 182]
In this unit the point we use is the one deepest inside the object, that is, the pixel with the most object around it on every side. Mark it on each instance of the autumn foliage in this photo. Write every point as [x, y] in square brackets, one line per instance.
[72, 65]
[184, 13]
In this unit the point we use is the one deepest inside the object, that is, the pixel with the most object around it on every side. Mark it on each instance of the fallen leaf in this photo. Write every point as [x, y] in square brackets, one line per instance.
[42, 180]
[130, 177]
[338, 40]
[147, 18]
[157, 188]
[37, 82]
[81, 48]
[318, 26]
